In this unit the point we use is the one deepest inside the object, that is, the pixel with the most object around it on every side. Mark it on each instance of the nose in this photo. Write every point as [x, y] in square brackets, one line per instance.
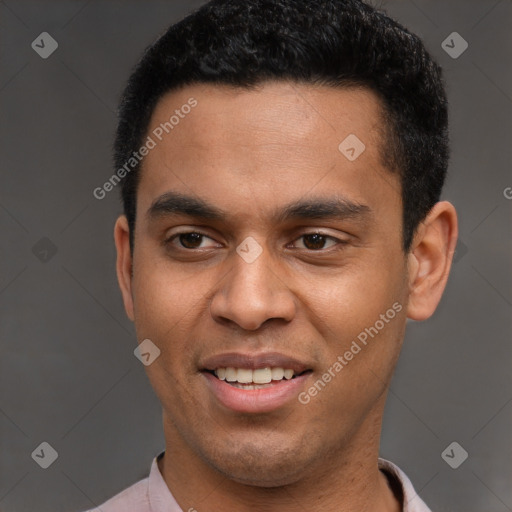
[250, 294]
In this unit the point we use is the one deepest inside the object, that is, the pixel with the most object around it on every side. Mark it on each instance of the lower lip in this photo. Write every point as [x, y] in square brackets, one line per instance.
[255, 400]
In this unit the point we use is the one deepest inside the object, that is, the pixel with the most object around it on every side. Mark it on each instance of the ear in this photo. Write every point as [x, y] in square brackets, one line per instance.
[430, 260]
[124, 263]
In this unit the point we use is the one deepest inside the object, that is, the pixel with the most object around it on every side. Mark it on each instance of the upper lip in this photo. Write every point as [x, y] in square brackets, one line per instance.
[254, 361]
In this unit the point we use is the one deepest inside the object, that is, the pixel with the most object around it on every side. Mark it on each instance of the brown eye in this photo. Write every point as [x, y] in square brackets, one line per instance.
[317, 242]
[314, 241]
[190, 240]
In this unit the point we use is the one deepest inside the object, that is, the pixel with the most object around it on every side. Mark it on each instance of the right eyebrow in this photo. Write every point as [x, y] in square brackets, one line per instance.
[174, 203]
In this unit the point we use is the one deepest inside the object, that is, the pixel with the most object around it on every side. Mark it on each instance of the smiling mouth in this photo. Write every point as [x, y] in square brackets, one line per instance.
[260, 378]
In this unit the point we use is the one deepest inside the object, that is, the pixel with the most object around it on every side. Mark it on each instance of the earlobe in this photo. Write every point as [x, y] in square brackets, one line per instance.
[124, 263]
[430, 260]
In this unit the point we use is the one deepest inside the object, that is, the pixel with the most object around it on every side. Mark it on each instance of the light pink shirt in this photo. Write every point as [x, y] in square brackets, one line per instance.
[153, 495]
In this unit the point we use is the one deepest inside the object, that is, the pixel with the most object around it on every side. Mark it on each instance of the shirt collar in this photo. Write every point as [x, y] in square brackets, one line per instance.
[159, 495]
[411, 500]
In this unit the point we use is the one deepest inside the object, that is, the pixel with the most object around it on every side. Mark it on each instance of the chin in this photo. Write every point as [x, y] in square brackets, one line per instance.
[261, 464]
[263, 474]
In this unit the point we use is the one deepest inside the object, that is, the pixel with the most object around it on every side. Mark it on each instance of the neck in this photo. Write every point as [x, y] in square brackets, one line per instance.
[350, 480]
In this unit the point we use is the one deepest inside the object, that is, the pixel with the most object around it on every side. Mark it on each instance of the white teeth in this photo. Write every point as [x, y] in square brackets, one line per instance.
[262, 376]
[244, 376]
[231, 374]
[258, 376]
[277, 373]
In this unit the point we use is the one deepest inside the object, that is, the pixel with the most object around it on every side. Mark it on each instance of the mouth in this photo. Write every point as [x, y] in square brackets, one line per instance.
[255, 383]
[259, 378]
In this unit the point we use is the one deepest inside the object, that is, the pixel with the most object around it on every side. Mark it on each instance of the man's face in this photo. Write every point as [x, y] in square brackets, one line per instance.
[296, 255]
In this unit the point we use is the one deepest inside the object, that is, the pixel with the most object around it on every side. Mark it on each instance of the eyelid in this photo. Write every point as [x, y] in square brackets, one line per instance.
[339, 241]
[170, 238]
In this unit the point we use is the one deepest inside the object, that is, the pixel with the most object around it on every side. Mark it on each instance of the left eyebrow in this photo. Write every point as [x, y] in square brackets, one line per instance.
[338, 207]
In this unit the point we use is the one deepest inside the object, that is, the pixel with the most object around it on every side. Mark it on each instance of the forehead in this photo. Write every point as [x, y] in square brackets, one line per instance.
[275, 140]
[271, 113]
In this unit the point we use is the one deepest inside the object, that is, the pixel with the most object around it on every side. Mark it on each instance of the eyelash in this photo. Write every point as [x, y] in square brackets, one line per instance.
[170, 240]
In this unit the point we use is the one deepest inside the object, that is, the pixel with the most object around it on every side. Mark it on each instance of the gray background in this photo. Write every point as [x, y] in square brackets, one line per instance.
[68, 375]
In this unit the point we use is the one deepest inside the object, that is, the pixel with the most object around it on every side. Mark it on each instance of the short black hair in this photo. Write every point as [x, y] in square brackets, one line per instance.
[338, 43]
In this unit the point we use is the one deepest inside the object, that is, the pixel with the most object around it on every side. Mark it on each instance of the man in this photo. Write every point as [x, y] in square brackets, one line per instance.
[282, 164]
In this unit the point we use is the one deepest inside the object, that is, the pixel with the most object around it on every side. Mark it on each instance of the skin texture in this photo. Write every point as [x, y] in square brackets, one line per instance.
[250, 153]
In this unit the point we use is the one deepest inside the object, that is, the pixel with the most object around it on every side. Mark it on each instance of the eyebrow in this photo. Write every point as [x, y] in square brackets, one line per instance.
[174, 203]
[322, 208]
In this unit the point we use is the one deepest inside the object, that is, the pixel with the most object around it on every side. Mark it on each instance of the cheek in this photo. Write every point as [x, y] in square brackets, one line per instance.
[344, 302]
[360, 314]
[362, 329]
[166, 309]
[166, 306]
[162, 290]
